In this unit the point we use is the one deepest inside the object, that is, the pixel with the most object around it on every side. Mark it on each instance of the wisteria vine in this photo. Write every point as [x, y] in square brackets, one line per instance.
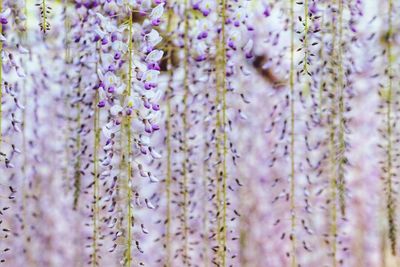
[199, 133]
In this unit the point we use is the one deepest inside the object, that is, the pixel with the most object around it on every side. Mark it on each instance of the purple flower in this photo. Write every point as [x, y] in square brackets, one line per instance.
[267, 11]
[117, 56]
[101, 104]
[201, 58]
[155, 107]
[156, 22]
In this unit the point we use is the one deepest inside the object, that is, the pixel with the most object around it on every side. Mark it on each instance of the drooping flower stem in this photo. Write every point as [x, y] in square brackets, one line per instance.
[44, 24]
[391, 210]
[25, 178]
[127, 126]
[221, 69]
[185, 227]
[168, 143]
[305, 41]
[333, 188]
[129, 195]
[25, 196]
[68, 62]
[218, 160]
[333, 148]
[96, 129]
[322, 56]
[292, 139]
[77, 166]
[205, 173]
[44, 15]
[341, 137]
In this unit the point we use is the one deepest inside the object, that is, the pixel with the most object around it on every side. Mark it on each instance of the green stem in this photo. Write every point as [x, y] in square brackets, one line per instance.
[67, 61]
[185, 129]
[333, 188]
[222, 72]
[96, 176]
[321, 55]
[129, 148]
[205, 208]
[306, 28]
[77, 167]
[169, 148]
[342, 144]
[206, 174]
[391, 210]
[27, 246]
[218, 159]
[333, 149]
[44, 16]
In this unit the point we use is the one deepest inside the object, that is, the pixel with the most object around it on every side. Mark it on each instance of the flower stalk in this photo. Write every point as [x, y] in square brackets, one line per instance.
[221, 69]
[391, 207]
[128, 156]
[168, 179]
[95, 208]
[342, 142]
[185, 163]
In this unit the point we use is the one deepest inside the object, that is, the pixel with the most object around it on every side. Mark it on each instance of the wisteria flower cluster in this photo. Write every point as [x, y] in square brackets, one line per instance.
[177, 133]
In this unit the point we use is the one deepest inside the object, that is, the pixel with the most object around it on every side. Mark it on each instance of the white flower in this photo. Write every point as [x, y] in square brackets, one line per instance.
[200, 48]
[235, 36]
[249, 45]
[146, 5]
[110, 79]
[153, 179]
[239, 14]
[134, 102]
[153, 38]
[155, 154]
[157, 12]
[140, 65]
[111, 6]
[145, 140]
[106, 24]
[107, 59]
[154, 56]
[120, 89]
[20, 72]
[119, 46]
[151, 75]
[5, 13]
[149, 204]
[22, 49]
[109, 129]
[115, 110]
[99, 31]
